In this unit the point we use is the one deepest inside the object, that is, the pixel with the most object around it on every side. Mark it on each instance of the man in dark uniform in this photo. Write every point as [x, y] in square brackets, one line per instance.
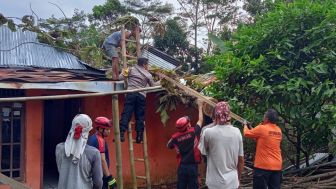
[185, 142]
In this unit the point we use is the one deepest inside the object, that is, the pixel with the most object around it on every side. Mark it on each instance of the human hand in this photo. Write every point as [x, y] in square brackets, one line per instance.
[125, 72]
[110, 182]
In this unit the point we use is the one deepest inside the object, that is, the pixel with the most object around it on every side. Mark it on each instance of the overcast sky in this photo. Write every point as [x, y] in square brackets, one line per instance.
[18, 8]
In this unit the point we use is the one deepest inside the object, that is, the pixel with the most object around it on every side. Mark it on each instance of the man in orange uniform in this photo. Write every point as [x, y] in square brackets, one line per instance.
[268, 160]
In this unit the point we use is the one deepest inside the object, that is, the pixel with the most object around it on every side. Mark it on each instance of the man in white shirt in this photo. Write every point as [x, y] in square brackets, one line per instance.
[223, 146]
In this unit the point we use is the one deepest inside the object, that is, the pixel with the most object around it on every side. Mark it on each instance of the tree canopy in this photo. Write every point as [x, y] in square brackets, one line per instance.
[285, 60]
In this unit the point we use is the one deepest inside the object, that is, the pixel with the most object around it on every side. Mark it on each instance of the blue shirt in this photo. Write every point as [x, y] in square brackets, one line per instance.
[99, 143]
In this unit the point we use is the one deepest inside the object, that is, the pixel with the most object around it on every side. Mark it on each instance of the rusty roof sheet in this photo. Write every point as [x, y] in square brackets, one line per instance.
[22, 49]
[39, 75]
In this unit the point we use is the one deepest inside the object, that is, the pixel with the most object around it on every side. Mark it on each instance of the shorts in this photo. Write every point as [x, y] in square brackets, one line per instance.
[111, 50]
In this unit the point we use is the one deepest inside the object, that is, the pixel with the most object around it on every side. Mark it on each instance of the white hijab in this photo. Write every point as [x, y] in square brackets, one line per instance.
[81, 126]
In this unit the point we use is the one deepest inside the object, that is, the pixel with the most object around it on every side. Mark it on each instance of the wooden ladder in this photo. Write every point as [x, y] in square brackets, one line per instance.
[145, 159]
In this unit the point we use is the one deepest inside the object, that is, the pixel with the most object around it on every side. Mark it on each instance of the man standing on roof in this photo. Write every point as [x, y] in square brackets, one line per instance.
[78, 164]
[138, 77]
[103, 126]
[185, 142]
[268, 160]
[223, 146]
[111, 44]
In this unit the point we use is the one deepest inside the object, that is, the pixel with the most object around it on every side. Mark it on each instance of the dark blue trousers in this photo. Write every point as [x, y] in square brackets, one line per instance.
[265, 179]
[187, 176]
[135, 102]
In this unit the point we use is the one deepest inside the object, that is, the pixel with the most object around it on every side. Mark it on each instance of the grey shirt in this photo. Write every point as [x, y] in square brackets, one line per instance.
[86, 174]
[138, 77]
[113, 39]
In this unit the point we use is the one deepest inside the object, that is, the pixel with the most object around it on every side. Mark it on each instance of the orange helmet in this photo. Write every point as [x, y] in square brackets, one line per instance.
[182, 123]
[103, 122]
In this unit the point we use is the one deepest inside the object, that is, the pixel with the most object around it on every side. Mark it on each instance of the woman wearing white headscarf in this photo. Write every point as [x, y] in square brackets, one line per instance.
[78, 164]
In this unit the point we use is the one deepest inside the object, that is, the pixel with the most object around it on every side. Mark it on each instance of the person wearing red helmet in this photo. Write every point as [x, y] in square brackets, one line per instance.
[185, 142]
[103, 126]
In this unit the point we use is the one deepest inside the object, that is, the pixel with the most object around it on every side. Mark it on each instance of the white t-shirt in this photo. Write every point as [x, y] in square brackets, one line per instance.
[224, 144]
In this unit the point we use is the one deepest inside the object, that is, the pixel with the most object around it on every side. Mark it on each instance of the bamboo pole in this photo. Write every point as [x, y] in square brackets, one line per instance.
[145, 153]
[131, 153]
[55, 97]
[196, 94]
[123, 47]
[137, 38]
[115, 116]
[14, 184]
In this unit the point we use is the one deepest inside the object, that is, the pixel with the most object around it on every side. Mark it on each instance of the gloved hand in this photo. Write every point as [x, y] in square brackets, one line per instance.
[124, 72]
[110, 182]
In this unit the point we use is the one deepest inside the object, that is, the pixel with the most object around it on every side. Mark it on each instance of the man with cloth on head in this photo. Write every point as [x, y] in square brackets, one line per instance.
[78, 164]
[223, 146]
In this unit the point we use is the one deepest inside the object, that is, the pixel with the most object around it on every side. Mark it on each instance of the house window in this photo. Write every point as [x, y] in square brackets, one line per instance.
[11, 136]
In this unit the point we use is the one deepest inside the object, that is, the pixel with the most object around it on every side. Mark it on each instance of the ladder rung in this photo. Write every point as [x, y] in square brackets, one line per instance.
[139, 159]
[141, 177]
[130, 40]
[129, 56]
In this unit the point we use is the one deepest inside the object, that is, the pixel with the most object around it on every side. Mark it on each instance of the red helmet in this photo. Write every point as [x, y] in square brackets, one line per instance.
[103, 122]
[182, 123]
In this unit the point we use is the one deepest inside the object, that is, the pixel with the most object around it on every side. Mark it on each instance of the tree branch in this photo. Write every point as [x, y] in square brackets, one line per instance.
[58, 8]
[33, 13]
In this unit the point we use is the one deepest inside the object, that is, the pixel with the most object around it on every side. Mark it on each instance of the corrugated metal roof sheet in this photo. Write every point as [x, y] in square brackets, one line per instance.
[22, 49]
[159, 58]
[41, 75]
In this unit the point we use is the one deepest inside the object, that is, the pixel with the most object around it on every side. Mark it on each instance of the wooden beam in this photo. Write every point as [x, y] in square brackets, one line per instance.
[196, 94]
[54, 97]
[12, 183]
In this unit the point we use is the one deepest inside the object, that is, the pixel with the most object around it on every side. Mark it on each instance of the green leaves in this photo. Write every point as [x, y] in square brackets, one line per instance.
[285, 59]
[217, 41]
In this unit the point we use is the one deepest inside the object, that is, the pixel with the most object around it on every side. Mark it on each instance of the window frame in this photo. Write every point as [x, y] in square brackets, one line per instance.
[12, 143]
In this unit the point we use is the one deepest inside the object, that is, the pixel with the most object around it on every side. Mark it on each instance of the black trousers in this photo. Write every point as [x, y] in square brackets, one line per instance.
[265, 179]
[135, 102]
[187, 176]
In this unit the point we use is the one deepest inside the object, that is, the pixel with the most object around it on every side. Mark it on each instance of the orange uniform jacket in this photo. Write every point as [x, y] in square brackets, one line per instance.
[268, 153]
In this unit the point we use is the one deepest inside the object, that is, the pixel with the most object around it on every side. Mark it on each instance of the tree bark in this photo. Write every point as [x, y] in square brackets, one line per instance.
[298, 147]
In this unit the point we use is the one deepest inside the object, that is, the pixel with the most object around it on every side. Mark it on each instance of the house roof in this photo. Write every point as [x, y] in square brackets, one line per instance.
[159, 58]
[21, 51]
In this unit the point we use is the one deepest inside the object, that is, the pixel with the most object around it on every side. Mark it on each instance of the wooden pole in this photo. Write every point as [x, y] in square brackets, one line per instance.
[145, 153]
[196, 94]
[123, 47]
[115, 116]
[55, 97]
[14, 184]
[137, 38]
[131, 153]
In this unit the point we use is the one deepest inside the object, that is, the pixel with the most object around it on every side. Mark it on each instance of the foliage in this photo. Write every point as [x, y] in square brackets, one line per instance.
[286, 60]
[174, 41]
[107, 13]
[151, 14]
[217, 41]
[259, 7]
